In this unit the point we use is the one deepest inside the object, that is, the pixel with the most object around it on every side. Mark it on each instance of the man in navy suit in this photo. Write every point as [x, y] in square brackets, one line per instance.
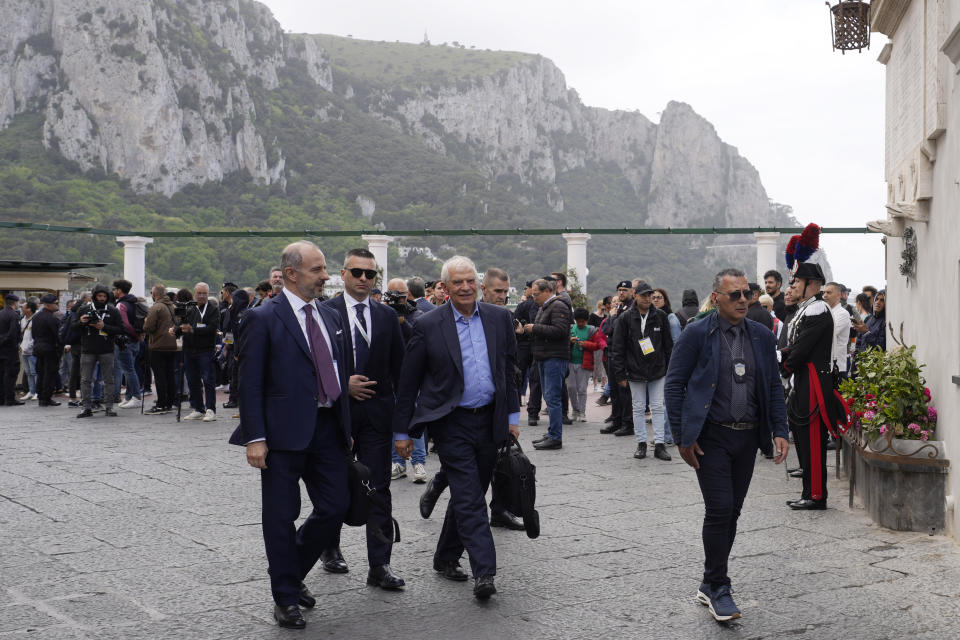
[463, 388]
[295, 423]
[417, 294]
[374, 356]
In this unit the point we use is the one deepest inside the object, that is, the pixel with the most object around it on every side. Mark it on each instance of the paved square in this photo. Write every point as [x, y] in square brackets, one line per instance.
[139, 527]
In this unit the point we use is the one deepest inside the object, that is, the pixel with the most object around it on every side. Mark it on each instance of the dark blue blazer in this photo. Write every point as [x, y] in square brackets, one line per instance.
[431, 381]
[278, 380]
[693, 373]
[424, 305]
[383, 365]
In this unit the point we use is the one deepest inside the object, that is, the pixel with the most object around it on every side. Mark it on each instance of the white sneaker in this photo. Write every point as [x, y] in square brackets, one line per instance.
[28, 397]
[398, 471]
[130, 404]
[210, 416]
[419, 473]
[193, 415]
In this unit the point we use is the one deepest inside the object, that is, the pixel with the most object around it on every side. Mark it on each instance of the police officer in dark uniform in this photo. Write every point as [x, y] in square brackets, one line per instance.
[9, 343]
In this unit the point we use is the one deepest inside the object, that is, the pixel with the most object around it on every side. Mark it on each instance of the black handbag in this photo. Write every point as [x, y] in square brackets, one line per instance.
[515, 485]
[362, 495]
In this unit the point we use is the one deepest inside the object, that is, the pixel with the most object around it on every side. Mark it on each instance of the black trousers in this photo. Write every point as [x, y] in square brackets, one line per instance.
[292, 552]
[621, 402]
[535, 396]
[374, 447]
[48, 374]
[9, 369]
[467, 456]
[726, 468]
[162, 363]
[811, 444]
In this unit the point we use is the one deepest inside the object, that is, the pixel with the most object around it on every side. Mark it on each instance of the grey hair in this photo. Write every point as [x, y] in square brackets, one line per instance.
[292, 255]
[726, 273]
[201, 284]
[456, 262]
[835, 285]
[542, 284]
[493, 273]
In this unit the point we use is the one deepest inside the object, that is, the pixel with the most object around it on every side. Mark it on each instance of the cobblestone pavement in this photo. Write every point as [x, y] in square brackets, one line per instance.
[139, 527]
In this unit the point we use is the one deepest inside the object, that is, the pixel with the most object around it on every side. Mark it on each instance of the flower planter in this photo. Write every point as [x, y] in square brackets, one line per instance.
[901, 492]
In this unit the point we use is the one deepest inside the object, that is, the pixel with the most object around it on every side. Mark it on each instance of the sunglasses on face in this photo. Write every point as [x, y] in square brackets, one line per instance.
[736, 295]
[370, 273]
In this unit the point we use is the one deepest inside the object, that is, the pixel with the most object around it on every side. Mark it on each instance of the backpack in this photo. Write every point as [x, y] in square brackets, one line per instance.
[140, 312]
[515, 485]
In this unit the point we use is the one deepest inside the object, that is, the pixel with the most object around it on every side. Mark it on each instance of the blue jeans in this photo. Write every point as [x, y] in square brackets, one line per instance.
[638, 394]
[124, 367]
[419, 455]
[552, 373]
[30, 368]
[201, 379]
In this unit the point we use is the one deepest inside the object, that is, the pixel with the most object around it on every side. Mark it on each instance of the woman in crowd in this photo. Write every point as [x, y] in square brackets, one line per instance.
[28, 360]
[661, 301]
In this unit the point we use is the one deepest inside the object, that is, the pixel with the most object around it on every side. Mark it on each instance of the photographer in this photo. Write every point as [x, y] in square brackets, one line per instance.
[197, 322]
[397, 297]
[98, 323]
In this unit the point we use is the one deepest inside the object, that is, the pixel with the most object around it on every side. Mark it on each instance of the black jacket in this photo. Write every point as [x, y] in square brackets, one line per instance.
[525, 313]
[629, 361]
[551, 330]
[757, 313]
[46, 332]
[205, 326]
[780, 308]
[9, 331]
[90, 339]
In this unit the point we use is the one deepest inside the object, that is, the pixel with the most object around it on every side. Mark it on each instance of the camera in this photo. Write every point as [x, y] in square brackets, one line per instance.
[86, 309]
[181, 309]
[397, 300]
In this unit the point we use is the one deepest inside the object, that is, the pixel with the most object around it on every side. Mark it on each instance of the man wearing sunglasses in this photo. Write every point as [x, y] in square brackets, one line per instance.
[724, 401]
[374, 372]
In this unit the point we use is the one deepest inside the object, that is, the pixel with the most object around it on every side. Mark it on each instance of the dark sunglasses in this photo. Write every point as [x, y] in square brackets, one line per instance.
[370, 273]
[735, 295]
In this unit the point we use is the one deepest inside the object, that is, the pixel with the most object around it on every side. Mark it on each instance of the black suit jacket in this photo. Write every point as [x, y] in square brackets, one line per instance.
[278, 379]
[9, 331]
[383, 365]
[431, 381]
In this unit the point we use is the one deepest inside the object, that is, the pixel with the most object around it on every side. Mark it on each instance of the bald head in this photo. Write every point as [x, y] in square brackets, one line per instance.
[304, 269]
[397, 284]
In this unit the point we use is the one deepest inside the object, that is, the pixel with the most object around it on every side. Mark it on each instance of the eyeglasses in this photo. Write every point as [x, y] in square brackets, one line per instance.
[735, 295]
[370, 273]
[656, 297]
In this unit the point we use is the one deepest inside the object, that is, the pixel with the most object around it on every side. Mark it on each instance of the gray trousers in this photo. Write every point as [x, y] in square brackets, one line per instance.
[577, 386]
[88, 361]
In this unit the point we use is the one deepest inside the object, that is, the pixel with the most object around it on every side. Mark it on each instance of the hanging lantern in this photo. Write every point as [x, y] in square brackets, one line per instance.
[850, 25]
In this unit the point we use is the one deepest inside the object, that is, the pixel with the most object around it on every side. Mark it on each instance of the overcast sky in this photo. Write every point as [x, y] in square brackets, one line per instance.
[762, 71]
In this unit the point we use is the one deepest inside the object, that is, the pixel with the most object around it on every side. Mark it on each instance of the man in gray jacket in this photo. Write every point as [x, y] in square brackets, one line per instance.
[551, 352]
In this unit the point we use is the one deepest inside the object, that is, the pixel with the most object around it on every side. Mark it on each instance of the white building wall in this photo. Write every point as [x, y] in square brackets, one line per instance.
[923, 123]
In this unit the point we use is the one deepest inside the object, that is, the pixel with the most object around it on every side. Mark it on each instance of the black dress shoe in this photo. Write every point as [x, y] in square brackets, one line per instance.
[15, 403]
[49, 403]
[430, 496]
[608, 420]
[532, 422]
[506, 520]
[796, 473]
[110, 413]
[333, 562]
[289, 616]
[641, 451]
[450, 569]
[384, 578]
[75, 403]
[86, 413]
[230, 404]
[613, 428]
[547, 444]
[541, 438]
[567, 420]
[624, 431]
[603, 400]
[660, 452]
[483, 588]
[806, 504]
[306, 598]
[792, 469]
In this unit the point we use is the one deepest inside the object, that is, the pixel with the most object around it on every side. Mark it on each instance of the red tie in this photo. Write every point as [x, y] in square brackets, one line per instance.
[327, 381]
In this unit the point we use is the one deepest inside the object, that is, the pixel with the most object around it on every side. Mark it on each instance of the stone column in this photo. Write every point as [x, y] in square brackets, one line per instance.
[766, 253]
[577, 256]
[134, 262]
[378, 247]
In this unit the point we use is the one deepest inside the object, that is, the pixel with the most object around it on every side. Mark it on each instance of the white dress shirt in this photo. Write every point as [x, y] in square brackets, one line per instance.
[351, 304]
[298, 304]
[841, 336]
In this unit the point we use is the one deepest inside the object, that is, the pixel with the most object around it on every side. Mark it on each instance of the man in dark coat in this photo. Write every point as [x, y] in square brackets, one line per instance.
[811, 404]
[9, 356]
[755, 311]
[551, 352]
[46, 347]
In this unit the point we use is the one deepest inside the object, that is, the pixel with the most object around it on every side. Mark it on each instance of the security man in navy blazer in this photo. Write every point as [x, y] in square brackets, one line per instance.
[458, 380]
[375, 353]
[295, 423]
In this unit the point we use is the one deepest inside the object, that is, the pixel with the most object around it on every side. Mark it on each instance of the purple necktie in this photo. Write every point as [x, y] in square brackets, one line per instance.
[326, 374]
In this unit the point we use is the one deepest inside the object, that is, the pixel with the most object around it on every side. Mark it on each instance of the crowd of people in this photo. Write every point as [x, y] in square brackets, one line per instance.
[381, 373]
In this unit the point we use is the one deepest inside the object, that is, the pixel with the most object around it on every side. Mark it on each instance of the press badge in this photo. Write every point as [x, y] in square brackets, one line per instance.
[201, 326]
[740, 370]
[646, 346]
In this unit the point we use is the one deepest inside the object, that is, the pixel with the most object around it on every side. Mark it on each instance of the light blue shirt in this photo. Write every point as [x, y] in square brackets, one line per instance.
[478, 387]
